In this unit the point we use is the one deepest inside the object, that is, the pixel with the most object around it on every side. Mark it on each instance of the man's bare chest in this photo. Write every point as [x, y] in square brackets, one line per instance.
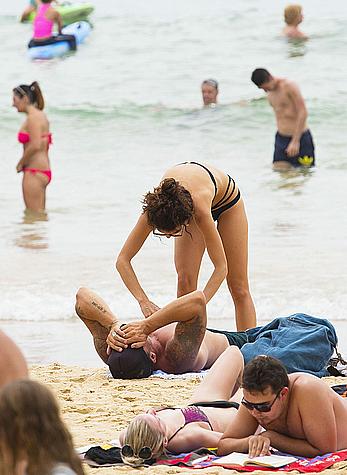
[291, 426]
[280, 102]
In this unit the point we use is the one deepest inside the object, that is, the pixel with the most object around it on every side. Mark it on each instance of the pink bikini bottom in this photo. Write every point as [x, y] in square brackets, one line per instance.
[48, 173]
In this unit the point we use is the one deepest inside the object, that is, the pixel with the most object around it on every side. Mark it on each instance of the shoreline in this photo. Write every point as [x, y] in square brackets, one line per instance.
[72, 343]
[95, 408]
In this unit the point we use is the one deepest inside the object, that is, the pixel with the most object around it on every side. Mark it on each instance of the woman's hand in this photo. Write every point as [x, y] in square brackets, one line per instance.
[148, 307]
[136, 333]
[19, 166]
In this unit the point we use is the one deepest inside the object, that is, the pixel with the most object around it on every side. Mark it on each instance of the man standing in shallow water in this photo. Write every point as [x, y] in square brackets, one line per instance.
[209, 91]
[301, 415]
[293, 142]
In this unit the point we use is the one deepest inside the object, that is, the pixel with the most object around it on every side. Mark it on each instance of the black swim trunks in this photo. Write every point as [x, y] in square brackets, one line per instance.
[234, 338]
[305, 158]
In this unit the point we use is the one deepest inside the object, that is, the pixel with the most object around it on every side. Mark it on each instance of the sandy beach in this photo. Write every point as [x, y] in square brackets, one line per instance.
[123, 109]
[96, 408]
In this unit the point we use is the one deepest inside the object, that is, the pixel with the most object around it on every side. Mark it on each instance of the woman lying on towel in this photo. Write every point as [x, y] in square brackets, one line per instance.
[200, 424]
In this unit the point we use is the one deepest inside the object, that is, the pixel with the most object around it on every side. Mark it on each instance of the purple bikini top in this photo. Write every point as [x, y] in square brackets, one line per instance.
[191, 414]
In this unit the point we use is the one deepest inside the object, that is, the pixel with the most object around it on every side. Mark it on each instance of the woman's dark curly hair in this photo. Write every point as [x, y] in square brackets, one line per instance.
[169, 206]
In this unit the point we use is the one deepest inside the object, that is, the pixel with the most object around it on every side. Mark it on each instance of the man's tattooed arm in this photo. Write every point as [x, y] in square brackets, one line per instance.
[183, 349]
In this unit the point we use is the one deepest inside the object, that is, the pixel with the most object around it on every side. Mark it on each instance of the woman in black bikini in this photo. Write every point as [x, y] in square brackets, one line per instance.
[201, 424]
[186, 204]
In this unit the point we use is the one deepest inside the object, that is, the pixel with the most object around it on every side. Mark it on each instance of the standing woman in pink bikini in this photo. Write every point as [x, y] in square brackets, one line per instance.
[35, 136]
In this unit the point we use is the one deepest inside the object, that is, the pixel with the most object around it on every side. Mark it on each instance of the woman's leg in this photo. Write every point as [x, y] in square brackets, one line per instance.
[223, 379]
[34, 190]
[189, 250]
[233, 229]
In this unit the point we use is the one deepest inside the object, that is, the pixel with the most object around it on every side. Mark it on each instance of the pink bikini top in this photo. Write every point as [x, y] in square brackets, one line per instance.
[43, 27]
[24, 137]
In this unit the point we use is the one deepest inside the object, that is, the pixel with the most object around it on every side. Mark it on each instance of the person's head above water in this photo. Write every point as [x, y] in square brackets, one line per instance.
[25, 95]
[293, 15]
[169, 208]
[144, 439]
[263, 79]
[209, 90]
[131, 363]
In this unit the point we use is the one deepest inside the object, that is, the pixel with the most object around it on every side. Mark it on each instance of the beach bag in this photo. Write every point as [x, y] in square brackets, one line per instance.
[301, 342]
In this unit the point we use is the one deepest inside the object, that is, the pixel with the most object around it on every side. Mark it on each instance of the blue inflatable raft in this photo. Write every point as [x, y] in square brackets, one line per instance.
[80, 30]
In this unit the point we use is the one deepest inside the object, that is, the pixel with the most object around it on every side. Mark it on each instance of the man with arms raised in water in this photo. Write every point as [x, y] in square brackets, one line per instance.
[293, 143]
[173, 339]
[301, 415]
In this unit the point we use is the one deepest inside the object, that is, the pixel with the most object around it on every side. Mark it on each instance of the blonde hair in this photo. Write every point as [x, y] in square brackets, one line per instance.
[292, 13]
[31, 429]
[141, 433]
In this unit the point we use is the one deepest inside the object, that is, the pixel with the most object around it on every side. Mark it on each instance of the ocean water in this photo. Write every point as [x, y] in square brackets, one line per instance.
[127, 106]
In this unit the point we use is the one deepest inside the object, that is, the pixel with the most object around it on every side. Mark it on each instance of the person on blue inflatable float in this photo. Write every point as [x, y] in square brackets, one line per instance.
[43, 27]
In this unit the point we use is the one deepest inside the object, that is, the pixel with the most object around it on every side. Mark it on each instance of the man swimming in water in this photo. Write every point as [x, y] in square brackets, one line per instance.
[209, 91]
[293, 143]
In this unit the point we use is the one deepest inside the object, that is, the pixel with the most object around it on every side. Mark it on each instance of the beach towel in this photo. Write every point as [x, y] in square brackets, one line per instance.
[161, 374]
[302, 465]
[202, 458]
[340, 389]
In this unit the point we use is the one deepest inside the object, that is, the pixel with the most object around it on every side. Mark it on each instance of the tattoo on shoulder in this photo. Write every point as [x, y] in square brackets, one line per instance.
[186, 343]
[98, 306]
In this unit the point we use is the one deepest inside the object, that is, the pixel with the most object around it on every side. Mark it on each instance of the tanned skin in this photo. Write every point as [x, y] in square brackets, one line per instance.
[174, 337]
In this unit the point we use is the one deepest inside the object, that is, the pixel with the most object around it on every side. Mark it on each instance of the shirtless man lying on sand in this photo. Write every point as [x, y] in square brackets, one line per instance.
[301, 415]
[173, 339]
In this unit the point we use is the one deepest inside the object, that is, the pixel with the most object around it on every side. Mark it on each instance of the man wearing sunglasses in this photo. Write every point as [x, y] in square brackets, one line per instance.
[301, 415]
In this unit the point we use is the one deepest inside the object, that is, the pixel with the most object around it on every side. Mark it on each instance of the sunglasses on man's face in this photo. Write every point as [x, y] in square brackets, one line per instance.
[260, 406]
[145, 453]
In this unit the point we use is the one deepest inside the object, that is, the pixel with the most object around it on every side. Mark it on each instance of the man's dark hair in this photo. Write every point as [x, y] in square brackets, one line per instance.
[262, 372]
[260, 75]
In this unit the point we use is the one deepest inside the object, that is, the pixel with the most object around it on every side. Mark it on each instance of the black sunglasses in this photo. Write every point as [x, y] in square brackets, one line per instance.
[145, 453]
[261, 406]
